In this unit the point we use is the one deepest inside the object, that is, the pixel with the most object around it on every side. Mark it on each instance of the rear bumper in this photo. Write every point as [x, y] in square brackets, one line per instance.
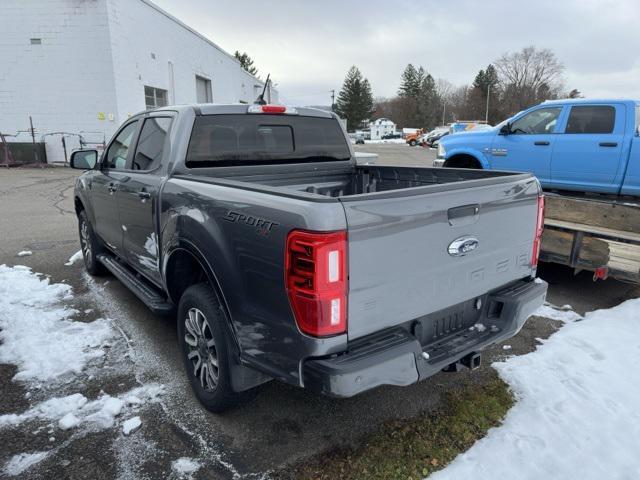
[397, 357]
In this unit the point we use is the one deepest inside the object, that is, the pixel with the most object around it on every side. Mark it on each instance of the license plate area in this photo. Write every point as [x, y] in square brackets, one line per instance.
[438, 326]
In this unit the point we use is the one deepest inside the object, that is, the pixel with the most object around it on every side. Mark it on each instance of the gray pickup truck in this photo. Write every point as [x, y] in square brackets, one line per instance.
[284, 259]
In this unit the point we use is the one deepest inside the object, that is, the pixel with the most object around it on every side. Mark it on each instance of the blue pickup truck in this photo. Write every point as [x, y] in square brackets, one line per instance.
[573, 144]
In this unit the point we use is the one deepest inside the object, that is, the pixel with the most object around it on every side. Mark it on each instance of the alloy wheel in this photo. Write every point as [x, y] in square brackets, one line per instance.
[85, 242]
[202, 351]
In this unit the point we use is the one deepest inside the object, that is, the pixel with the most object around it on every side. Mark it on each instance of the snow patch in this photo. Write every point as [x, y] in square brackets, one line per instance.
[478, 326]
[36, 331]
[74, 258]
[577, 413]
[22, 461]
[131, 425]
[68, 421]
[563, 314]
[24, 253]
[76, 409]
[185, 465]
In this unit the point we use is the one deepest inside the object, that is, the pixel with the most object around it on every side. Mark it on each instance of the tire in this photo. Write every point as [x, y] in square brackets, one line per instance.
[201, 335]
[413, 143]
[90, 246]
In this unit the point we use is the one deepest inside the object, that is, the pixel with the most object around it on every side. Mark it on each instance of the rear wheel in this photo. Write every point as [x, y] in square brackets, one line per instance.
[90, 246]
[413, 143]
[204, 348]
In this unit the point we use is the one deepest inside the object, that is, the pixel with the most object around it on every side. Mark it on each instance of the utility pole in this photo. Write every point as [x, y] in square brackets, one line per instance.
[486, 113]
[444, 110]
[333, 97]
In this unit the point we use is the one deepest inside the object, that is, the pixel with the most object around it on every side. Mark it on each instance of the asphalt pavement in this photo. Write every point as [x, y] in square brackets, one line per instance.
[281, 425]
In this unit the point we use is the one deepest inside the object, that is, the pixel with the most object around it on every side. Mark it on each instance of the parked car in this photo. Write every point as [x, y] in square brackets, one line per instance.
[285, 259]
[435, 135]
[391, 136]
[576, 148]
[360, 139]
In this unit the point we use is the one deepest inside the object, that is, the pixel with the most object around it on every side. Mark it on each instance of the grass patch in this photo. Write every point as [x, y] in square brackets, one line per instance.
[412, 449]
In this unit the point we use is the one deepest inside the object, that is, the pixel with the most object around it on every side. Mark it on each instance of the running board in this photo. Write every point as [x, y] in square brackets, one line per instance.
[139, 287]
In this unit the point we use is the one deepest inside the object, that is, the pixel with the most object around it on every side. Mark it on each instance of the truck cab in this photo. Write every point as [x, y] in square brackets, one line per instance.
[576, 144]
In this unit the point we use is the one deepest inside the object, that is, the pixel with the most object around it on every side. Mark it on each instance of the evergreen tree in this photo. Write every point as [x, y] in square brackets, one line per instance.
[486, 79]
[355, 100]
[246, 62]
[410, 82]
[575, 93]
[418, 89]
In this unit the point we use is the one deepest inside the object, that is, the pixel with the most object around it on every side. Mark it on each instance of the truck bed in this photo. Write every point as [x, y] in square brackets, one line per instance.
[341, 183]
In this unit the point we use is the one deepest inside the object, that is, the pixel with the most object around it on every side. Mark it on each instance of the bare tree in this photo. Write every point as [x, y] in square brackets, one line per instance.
[528, 77]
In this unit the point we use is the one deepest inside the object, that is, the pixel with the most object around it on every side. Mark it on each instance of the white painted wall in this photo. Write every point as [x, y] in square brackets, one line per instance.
[61, 83]
[95, 58]
[138, 30]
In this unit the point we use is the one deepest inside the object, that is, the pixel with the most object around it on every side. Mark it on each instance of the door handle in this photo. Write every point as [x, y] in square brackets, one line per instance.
[608, 144]
[112, 187]
[541, 143]
[144, 195]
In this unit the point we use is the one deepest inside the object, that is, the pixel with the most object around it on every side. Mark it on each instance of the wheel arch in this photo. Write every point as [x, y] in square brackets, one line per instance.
[464, 160]
[185, 266]
[79, 206]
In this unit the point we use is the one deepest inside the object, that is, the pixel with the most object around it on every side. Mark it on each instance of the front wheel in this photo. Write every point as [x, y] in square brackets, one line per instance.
[90, 246]
[204, 348]
[413, 143]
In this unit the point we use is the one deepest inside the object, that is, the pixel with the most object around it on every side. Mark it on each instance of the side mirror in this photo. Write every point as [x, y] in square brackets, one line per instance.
[505, 129]
[84, 159]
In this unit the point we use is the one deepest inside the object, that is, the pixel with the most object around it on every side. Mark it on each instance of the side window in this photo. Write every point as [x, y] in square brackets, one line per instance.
[151, 143]
[116, 158]
[540, 121]
[591, 119]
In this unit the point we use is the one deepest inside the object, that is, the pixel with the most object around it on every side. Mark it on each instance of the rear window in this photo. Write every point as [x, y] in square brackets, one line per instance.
[591, 119]
[245, 139]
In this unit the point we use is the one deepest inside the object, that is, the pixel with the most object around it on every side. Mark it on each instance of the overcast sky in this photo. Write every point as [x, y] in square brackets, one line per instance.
[309, 45]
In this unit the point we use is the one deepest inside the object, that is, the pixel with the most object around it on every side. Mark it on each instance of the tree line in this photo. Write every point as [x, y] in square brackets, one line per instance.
[512, 82]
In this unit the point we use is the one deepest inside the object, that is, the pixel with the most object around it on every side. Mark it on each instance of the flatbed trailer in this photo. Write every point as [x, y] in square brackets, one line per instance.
[595, 233]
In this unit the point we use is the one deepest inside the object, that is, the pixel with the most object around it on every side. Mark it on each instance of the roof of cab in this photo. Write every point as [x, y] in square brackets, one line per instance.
[237, 109]
[592, 100]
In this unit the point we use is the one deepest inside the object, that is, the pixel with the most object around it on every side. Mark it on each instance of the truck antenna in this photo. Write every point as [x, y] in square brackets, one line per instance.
[260, 100]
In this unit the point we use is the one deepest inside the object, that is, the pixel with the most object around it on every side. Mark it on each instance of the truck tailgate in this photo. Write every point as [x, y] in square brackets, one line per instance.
[400, 267]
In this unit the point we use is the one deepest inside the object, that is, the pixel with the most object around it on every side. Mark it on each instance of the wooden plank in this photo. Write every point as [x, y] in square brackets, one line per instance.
[595, 251]
[557, 242]
[595, 213]
[594, 230]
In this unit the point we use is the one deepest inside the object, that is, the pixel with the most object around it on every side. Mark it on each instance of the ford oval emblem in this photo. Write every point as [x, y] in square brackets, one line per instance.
[462, 246]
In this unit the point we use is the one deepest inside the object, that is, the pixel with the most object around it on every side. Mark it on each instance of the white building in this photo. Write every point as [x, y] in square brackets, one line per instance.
[381, 127]
[84, 66]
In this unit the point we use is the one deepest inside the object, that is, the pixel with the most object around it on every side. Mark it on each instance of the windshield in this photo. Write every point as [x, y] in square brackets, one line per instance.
[246, 139]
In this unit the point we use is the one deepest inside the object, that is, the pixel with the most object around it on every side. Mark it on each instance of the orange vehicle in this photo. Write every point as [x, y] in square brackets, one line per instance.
[412, 138]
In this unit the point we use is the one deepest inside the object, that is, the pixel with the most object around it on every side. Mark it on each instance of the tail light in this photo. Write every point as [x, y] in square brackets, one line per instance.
[316, 281]
[270, 108]
[535, 255]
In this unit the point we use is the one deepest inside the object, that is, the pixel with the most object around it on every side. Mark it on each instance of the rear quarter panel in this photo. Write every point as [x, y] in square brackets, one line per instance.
[242, 235]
